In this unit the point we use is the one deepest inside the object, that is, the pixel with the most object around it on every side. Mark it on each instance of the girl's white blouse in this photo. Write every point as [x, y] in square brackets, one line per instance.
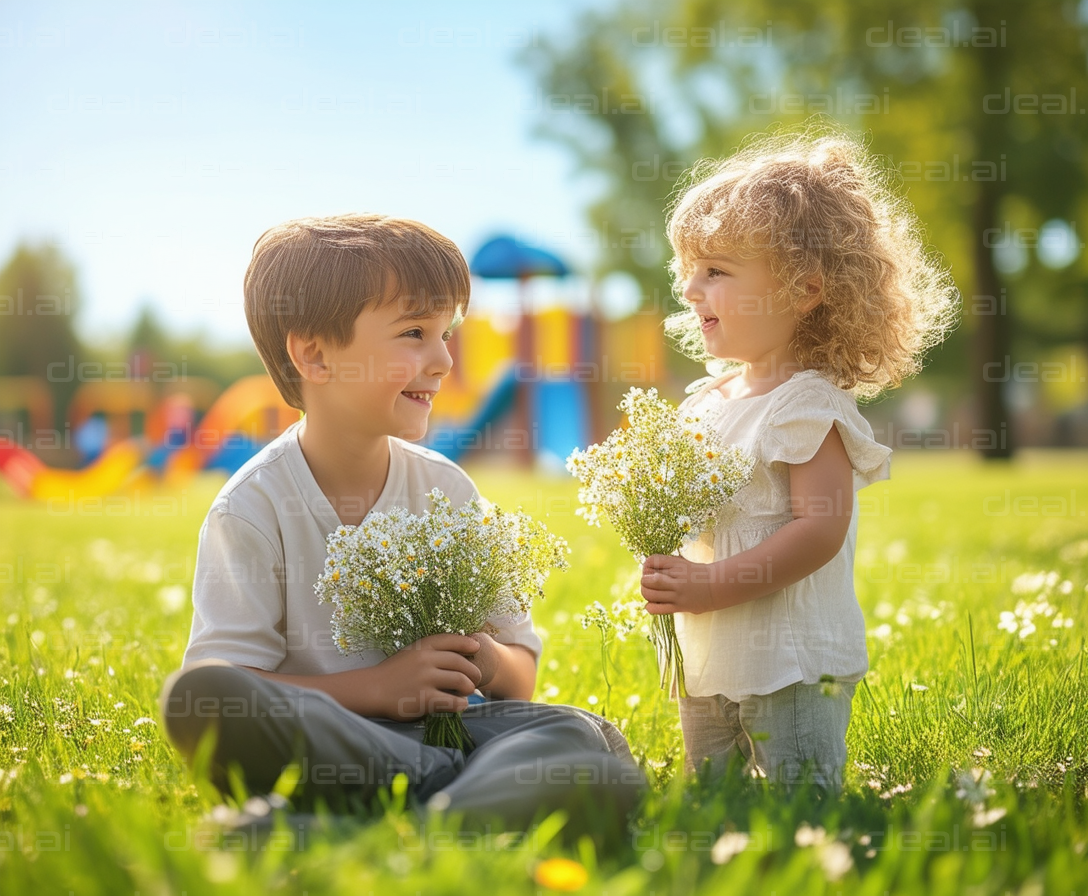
[814, 627]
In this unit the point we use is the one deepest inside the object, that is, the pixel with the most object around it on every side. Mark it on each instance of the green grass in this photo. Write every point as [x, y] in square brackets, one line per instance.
[968, 765]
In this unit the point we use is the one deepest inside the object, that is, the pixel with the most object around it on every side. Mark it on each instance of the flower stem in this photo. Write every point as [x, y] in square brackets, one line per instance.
[669, 658]
[447, 729]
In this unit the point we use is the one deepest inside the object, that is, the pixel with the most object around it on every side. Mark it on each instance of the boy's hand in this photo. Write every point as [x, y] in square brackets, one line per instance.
[675, 585]
[431, 675]
[486, 658]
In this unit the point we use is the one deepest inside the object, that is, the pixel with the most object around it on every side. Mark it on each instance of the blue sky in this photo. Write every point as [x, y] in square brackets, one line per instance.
[154, 142]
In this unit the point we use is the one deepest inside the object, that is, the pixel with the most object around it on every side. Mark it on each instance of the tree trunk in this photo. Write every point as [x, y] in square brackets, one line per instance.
[992, 338]
[992, 359]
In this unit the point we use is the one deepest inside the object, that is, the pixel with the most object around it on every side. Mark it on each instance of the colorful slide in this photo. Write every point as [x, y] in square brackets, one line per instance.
[453, 440]
[250, 405]
[31, 478]
[247, 414]
[559, 408]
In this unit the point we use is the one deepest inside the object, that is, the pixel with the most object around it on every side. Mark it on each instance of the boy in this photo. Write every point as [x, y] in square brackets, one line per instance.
[351, 315]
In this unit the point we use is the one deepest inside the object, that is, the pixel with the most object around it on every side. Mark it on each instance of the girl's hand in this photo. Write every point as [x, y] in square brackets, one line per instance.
[674, 585]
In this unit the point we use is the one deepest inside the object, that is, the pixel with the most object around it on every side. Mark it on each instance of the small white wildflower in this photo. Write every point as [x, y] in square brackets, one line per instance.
[985, 817]
[806, 835]
[728, 845]
[172, 598]
[973, 785]
[836, 860]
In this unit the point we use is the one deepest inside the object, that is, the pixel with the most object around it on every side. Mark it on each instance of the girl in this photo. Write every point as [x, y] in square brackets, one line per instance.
[800, 269]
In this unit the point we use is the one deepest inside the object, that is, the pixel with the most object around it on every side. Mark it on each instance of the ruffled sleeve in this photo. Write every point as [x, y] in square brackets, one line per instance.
[800, 421]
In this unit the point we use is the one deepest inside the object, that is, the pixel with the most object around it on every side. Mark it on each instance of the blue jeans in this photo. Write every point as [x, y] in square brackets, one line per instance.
[791, 734]
[529, 757]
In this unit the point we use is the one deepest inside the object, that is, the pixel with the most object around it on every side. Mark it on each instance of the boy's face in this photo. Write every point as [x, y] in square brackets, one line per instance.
[383, 383]
[742, 316]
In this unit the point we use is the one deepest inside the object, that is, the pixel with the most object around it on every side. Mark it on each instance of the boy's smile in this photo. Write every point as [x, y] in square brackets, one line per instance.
[425, 398]
[384, 382]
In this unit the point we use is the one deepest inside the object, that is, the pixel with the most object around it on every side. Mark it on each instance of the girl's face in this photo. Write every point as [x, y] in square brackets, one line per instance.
[743, 318]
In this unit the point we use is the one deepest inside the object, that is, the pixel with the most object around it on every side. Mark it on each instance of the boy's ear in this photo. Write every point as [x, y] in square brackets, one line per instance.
[814, 295]
[308, 356]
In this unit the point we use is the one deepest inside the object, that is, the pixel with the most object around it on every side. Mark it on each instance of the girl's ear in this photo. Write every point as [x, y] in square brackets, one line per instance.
[814, 294]
[308, 356]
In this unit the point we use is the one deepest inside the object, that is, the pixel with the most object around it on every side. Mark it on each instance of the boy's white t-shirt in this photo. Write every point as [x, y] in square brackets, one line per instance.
[262, 548]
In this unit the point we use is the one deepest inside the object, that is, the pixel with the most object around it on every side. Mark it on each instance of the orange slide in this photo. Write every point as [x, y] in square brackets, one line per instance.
[251, 402]
[31, 478]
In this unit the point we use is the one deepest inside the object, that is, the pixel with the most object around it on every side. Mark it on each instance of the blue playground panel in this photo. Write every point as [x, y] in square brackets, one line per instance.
[561, 411]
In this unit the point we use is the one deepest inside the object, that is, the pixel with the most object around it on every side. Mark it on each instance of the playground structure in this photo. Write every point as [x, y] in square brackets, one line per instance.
[529, 386]
[539, 386]
[176, 439]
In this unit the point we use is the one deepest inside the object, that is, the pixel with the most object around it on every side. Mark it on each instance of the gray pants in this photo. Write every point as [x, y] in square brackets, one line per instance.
[794, 733]
[530, 758]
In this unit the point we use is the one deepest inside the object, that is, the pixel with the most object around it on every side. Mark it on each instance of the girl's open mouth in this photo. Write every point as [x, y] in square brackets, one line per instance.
[707, 323]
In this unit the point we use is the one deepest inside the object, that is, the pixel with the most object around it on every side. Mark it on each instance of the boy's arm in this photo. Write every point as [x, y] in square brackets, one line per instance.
[238, 594]
[238, 607]
[431, 675]
[507, 671]
[436, 674]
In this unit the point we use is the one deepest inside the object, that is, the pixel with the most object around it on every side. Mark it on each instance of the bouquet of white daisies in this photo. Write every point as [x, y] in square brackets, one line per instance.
[660, 481]
[398, 577]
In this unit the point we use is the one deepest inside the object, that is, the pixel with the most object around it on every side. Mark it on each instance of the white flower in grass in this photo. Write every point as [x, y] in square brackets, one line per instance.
[836, 860]
[728, 845]
[973, 785]
[986, 817]
[806, 835]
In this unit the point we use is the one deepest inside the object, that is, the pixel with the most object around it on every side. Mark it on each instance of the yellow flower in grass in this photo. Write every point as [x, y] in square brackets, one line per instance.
[564, 875]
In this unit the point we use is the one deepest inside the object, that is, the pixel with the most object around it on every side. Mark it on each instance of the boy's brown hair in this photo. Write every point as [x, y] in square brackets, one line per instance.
[313, 276]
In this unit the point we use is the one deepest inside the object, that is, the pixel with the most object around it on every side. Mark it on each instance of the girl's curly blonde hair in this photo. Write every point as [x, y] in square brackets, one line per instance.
[823, 211]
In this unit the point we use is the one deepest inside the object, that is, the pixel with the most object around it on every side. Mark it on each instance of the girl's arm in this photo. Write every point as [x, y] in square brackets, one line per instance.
[822, 501]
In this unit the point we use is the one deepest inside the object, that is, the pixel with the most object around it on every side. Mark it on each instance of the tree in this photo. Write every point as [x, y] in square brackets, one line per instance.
[39, 299]
[979, 105]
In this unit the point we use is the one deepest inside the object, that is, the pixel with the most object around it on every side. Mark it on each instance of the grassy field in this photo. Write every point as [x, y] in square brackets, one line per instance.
[968, 759]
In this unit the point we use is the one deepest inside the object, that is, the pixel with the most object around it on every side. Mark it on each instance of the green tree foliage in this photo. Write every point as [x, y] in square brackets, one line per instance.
[150, 342]
[979, 105]
[39, 299]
